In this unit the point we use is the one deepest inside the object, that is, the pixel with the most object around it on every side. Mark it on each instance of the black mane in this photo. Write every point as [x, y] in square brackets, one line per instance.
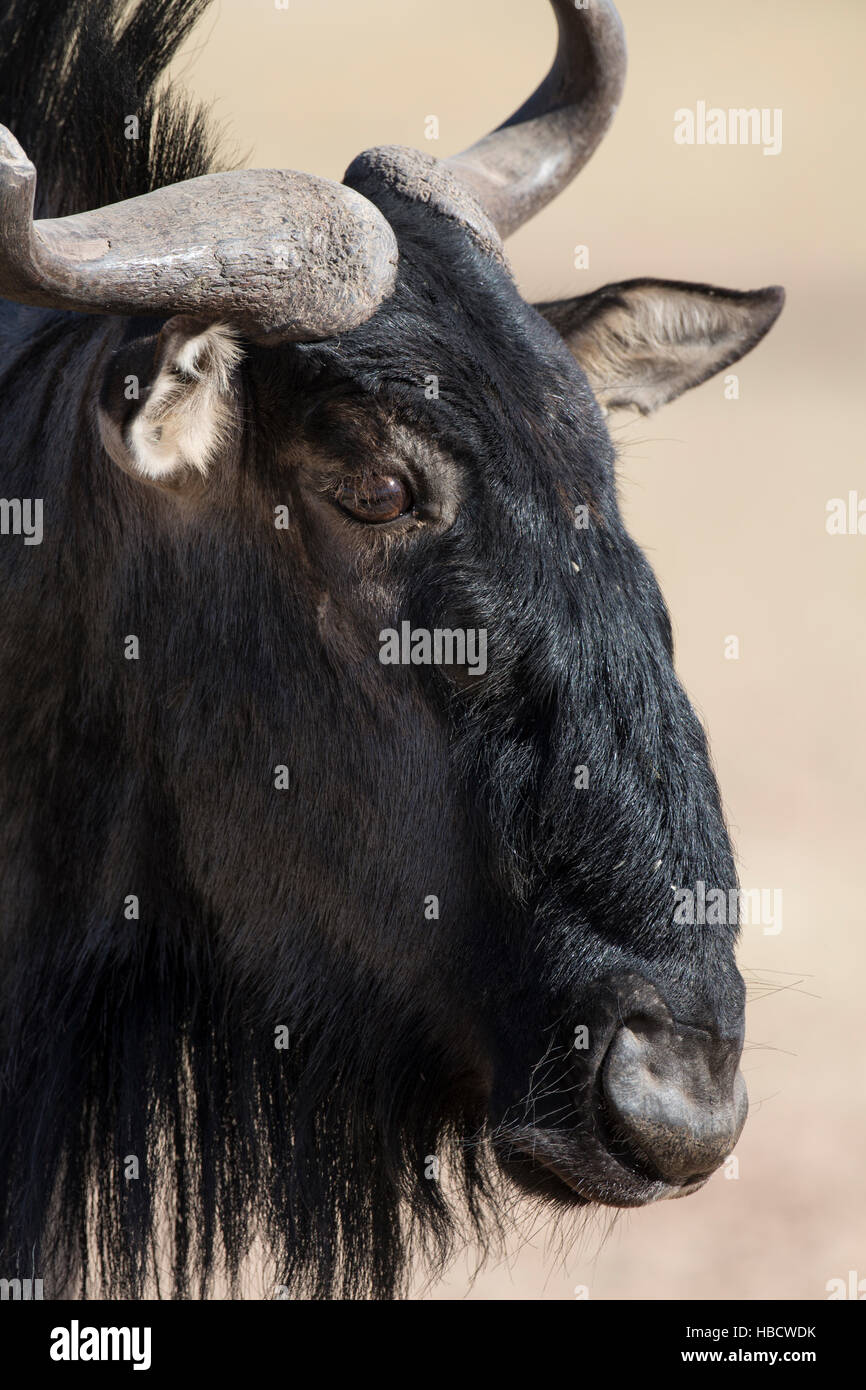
[71, 73]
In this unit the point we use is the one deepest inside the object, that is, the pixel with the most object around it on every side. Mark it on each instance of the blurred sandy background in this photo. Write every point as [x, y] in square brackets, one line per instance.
[727, 497]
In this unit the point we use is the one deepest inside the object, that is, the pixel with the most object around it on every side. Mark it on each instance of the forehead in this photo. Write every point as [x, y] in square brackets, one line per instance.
[457, 361]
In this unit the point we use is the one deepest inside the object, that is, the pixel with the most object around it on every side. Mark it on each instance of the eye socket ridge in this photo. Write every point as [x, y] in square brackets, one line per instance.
[374, 498]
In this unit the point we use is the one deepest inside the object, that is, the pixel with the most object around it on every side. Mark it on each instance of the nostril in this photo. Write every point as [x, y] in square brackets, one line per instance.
[674, 1098]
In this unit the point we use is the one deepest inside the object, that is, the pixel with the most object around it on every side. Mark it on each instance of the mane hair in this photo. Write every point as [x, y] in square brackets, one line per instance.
[70, 75]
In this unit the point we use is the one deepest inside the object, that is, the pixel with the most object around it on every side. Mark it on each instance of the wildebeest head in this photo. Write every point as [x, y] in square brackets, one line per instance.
[409, 703]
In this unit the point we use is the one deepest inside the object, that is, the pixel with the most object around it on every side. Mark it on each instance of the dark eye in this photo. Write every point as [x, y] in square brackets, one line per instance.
[380, 498]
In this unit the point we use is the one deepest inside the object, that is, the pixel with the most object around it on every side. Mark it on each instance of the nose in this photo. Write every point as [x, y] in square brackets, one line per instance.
[674, 1095]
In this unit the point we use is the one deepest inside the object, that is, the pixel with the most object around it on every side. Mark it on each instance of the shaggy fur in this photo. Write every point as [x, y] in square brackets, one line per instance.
[303, 907]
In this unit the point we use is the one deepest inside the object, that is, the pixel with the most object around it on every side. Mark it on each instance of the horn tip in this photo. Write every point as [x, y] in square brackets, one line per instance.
[12, 157]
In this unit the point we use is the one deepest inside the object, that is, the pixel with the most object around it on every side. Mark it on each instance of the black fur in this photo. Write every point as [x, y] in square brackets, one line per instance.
[304, 907]
[69, 76]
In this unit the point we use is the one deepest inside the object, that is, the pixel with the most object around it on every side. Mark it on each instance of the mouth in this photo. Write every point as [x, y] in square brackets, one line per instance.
[577, 1169]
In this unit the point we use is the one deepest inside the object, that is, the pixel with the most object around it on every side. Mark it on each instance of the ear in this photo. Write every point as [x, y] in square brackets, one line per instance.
[165, 405]
[642, 343]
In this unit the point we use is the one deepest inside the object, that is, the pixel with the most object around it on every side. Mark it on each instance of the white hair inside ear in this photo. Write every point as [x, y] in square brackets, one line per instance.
[642, 343]
[186, 416]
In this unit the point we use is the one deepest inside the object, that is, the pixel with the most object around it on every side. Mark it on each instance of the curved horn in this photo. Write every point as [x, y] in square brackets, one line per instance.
[281, 255]
[518, 168]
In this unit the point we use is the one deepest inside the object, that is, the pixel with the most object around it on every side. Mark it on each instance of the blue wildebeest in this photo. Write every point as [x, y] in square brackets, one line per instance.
[302, 896]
